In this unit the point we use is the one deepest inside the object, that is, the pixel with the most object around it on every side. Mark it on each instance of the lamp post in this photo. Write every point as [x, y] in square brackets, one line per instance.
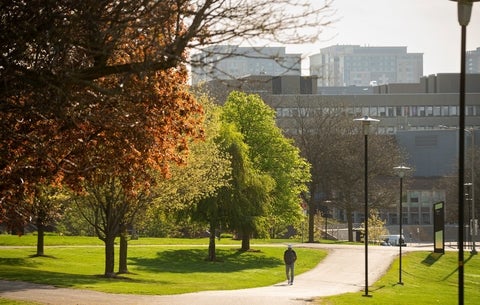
[366, 122]
[468, 199]
[400, 170]
[473, 222]
[464, 13]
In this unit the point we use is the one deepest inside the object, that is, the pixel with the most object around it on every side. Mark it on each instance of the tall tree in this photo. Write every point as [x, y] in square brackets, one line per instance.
[241, 205]
[271, 153]
[332, 142]
[63, 59]
[105, 205]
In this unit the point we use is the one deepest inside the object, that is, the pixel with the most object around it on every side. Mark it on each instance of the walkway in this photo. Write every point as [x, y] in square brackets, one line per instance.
[343, 270]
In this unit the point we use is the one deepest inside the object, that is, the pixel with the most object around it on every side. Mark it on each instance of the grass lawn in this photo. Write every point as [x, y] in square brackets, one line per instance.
[428, 278]
[155, 267]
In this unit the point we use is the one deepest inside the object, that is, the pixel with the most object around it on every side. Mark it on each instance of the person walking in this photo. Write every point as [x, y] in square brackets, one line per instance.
[289, 257]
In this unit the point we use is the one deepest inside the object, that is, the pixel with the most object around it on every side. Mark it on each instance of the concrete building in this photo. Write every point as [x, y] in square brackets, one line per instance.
[353, 65]
[473, 61]
[227, 62]
[423, 117]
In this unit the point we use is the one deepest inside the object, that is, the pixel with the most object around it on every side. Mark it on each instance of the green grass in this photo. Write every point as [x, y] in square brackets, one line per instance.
[154, 269]
[58, 240]
[4, 301]
[428, 278]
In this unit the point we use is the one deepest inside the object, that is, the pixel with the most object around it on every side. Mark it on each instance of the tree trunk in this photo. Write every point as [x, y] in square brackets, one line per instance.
[40, 239]
[109, 256]
[311, 221]
[349, 224]
[123, 252]
[211, 244]
[245, 241]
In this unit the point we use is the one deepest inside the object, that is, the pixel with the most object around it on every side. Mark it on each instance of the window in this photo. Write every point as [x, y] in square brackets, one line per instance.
[452, 110]
[381, 111]
[429, 110]
[469, 111]
[365, 111]
[399, 111]
[444, 111]
[421, 111]
[390, 111]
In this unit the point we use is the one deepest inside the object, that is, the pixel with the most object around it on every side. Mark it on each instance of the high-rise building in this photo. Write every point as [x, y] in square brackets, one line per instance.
[473, 61]
[224, 62]
[353, 65]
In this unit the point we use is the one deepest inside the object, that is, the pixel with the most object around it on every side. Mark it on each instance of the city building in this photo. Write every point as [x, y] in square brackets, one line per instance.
[227, 62]
[354, 65]
[422, 116]
[472, 59]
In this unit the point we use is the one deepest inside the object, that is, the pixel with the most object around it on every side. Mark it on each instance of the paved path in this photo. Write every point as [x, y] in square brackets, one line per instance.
[343, 270]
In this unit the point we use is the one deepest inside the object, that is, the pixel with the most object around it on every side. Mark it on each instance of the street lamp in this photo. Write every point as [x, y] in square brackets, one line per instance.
[468, 199]
[366, 122]
[464, 13]
[401, 171]
[473, 221]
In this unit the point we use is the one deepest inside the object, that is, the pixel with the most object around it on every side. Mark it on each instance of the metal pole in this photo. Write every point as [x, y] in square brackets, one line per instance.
[473, 225]
[461, 169]
[366, 214]
[401, 230]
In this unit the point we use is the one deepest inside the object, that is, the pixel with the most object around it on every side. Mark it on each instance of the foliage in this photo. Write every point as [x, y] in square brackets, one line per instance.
[376, 226]
[76, 75]
[333, 143]
[272, 154]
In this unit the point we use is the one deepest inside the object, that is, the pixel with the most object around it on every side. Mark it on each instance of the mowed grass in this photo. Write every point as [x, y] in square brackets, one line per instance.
[154, 268]
[429, 279]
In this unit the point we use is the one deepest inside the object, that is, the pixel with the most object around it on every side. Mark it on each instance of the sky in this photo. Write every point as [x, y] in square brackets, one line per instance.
[423, 26]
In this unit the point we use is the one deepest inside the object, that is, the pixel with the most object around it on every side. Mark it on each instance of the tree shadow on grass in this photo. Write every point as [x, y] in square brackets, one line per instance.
[432, 258]
[193, 260]
[17, 261]
[465, 261]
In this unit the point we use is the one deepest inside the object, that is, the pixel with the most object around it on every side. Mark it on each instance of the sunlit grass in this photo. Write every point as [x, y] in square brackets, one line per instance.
[154, 269]
[428, 279]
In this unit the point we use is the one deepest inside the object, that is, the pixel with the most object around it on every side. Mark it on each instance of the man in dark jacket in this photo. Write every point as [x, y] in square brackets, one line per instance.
[289, 257]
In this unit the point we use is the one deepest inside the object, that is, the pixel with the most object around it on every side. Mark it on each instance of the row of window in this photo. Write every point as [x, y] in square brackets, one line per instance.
[382, 111]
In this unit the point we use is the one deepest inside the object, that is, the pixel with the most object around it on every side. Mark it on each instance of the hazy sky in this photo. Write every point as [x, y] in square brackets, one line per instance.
[423, 26]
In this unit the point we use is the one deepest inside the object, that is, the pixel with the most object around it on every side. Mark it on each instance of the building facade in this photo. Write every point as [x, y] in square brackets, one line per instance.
[422, 116]
[472, 59]
[353, 65]
[227, 62]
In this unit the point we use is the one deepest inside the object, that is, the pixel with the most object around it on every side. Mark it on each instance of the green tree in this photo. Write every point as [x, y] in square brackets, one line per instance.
[272, 154]
[241, 205]
[46, 210]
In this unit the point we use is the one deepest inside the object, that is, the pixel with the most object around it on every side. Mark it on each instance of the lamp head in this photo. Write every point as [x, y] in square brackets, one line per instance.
[401, 170]
[464, 11]
[366, 121]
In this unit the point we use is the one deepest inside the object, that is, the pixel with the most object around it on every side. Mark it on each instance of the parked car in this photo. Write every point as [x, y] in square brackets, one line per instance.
[393, 240]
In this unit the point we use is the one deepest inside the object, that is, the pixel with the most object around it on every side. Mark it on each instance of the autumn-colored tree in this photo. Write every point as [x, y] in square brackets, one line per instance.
[64, 62]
